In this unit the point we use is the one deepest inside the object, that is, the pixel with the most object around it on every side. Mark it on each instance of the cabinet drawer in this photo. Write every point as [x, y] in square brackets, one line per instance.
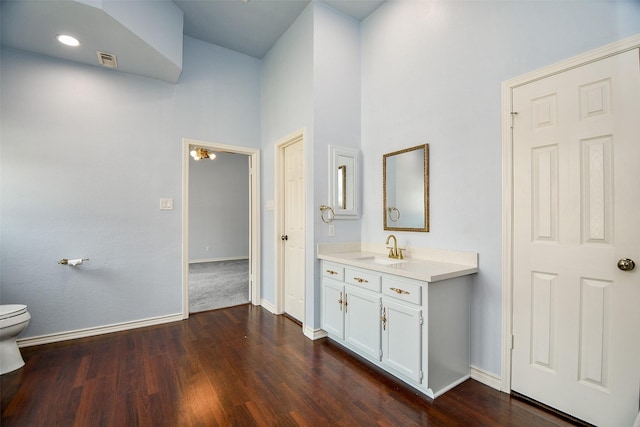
[333, 271]
[363, 279]
[405, 291]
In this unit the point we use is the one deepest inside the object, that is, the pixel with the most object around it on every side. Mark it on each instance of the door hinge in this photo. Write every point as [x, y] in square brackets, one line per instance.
[513, 114]
[512, 341]
[380, 354]
[421, 375]
[421, 320]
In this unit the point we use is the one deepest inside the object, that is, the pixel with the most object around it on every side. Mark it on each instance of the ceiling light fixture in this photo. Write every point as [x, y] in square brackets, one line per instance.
[68, 40]
[200, 153]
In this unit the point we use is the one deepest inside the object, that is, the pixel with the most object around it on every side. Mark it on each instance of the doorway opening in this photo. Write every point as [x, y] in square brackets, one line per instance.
[220, 231]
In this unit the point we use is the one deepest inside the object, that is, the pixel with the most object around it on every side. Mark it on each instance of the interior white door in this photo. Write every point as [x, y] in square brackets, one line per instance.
[293, 236]
[576, 315]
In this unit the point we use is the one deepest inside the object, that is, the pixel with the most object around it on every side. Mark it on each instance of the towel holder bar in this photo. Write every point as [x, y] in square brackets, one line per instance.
[65, 261]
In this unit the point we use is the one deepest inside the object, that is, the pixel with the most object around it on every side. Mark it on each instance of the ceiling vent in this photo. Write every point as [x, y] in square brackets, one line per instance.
[107, 59]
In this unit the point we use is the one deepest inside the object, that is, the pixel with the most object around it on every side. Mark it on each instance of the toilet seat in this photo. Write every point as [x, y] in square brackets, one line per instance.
[11, 310]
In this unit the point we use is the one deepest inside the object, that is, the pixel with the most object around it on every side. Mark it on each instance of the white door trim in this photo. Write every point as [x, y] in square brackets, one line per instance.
[297, 136]
[507, 180]
[254, 206]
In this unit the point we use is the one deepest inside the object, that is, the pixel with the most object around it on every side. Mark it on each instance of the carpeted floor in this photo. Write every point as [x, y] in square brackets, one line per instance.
[219, 284]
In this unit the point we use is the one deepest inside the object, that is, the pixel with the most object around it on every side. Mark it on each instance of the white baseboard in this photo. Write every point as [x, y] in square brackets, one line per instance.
[314, 334]
[268, 306]
[486, 378]
[197, 261]
[100, 330]
[442, 391]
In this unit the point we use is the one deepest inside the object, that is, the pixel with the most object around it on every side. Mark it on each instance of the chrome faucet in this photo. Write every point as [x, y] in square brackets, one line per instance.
[394, 252]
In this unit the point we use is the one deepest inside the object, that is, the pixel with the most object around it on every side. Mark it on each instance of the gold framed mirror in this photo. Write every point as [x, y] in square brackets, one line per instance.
[405, 193]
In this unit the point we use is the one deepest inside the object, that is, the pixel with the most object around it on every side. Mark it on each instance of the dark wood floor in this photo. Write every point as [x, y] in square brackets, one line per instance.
[233, 367]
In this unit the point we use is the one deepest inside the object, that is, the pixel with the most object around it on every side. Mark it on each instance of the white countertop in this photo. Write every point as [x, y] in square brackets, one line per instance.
[429, 265]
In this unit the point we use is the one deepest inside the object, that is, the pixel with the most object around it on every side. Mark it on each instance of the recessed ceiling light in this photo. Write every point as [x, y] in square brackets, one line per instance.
[68, 40]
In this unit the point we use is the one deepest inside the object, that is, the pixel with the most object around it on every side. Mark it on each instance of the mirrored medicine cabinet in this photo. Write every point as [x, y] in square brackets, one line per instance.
[406, 189]
[343, 182]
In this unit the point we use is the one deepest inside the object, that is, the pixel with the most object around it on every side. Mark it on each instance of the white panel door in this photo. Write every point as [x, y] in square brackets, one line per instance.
[576, 315]
[294, 231]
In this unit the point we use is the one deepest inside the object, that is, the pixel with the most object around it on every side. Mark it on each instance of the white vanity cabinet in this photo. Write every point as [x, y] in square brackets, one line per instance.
[351, 308]
[402, 328]
[332, 308]
[362, 321]
[416, 330]
[362, 311]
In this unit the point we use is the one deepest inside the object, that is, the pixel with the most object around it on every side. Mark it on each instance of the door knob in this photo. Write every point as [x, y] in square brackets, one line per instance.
[626, 264]
[284, 237]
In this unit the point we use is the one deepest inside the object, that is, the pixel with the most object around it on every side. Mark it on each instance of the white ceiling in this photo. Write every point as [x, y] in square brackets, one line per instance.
[253, 26]
[250, 27]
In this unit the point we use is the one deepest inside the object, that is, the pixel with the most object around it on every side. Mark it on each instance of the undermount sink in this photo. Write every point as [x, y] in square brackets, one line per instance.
[380, 260]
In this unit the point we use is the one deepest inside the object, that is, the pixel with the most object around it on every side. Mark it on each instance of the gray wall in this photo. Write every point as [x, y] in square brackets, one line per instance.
[219, 208]
[287, 106]
[310, 80]
[432, 73]
[422, 79]
[86, 155]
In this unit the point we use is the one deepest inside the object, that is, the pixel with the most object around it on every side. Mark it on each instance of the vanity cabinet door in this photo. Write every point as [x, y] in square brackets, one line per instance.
[362, 320]
[402, 339]
[333, 308]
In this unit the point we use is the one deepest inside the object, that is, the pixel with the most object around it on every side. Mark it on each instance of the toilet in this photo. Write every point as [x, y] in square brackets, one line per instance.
[13, 319]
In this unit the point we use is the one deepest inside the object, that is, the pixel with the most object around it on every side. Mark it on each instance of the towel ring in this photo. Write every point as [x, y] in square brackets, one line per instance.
[323, 209]
[391, 210]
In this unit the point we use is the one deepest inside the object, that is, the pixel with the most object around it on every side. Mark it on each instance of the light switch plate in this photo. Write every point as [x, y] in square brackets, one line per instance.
[166, 204]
